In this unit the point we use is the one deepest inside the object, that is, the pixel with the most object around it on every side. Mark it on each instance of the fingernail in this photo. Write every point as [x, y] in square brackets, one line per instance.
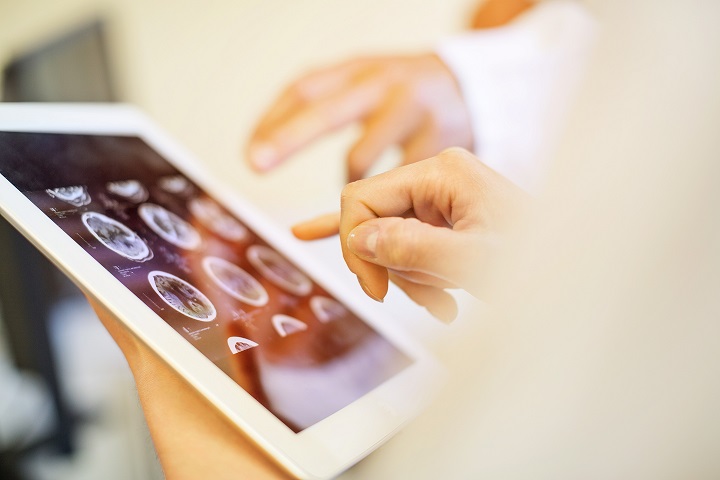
[263, 156]
[445, 313]
[445, 317]
[369, 292]
[363, 240]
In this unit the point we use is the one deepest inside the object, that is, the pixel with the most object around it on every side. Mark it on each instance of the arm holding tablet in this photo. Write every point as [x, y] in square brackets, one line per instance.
[191, 439]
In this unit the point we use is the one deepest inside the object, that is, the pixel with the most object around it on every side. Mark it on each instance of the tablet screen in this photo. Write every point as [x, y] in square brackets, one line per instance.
[284, 339]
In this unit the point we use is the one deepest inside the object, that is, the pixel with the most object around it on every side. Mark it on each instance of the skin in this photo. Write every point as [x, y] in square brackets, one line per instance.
[191, 438]
[427, 227]
[410, 102]
[413, 102]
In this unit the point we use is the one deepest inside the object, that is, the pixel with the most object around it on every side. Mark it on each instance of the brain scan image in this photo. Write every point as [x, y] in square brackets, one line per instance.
[77, 195]
[240, 344]
[286, 325]
[217, 220]
[117, 237]
[169, 226]
[131, 190]
[176, 184]
[326, 309]
[235, 281]
[182, 296]
[278, 270]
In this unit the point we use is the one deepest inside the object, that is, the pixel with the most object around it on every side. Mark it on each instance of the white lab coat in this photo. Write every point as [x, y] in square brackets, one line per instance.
[518, 80]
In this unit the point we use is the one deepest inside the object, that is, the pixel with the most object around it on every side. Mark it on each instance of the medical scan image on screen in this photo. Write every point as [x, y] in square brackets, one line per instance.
[264, 322]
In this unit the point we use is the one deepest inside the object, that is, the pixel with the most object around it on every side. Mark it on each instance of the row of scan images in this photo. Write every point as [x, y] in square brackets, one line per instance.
[191, 302]
[125, 242]
[163, 222]
[117, 237]
[235, 281]
[131, 190]
[177, 293]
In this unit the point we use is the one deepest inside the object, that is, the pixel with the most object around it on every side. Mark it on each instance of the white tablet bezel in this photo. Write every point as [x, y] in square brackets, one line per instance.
[320, 451]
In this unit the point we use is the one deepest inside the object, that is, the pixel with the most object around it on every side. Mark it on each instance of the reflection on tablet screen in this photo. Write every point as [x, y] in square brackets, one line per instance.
[265, 323]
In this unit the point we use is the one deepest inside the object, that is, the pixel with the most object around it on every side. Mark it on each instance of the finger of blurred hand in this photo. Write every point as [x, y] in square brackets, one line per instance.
[438, 302]
[317, 84]
[308, 121]
[421, 145]
[430, 139]
[319, 227]
[436, 99]
[397, 116]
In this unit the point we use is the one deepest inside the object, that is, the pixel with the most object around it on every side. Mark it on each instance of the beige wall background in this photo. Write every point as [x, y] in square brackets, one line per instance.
[205, 70]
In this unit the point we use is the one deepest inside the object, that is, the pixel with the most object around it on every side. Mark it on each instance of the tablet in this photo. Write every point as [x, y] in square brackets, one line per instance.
[302, 364]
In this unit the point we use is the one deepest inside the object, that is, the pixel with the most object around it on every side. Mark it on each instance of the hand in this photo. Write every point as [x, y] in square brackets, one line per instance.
[192, 440]
[427, 227]
[413, 102]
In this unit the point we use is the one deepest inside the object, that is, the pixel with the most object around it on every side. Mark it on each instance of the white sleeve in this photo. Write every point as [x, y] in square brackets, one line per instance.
[518, 80]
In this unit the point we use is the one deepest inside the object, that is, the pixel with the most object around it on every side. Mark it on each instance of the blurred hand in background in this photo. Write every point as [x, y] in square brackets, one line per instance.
[411, 102]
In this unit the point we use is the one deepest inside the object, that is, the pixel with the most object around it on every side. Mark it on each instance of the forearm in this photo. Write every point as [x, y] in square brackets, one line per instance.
[495, 13]
[191, 438]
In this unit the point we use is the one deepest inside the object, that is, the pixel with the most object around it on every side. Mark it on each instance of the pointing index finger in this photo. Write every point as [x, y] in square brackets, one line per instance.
[385, 195]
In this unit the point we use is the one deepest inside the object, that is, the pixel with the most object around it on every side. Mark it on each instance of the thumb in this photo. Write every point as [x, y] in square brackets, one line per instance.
[409, 245]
